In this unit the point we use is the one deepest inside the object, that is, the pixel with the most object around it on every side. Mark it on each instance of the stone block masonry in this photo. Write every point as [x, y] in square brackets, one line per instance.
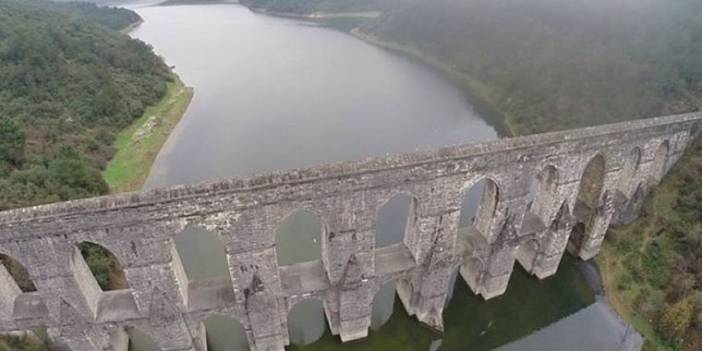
[513, 224]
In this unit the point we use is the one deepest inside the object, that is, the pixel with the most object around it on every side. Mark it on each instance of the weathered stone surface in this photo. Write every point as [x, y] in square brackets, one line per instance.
[511, 225]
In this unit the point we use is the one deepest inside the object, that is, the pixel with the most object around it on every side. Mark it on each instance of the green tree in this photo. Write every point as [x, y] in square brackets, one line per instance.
[70, 176]
[12, 143]
[675, 319]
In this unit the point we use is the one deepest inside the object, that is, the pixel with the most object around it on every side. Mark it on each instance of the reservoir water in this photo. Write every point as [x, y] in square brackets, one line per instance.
[275, 93]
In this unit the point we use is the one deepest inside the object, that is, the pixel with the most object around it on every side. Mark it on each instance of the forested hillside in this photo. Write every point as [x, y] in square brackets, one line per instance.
[112, 17]
[549, 63]
[68, 84]
[559, 64]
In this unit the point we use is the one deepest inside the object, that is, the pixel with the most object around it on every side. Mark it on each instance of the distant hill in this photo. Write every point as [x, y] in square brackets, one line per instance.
[555, 63]
[549, 63]
[112, 17]
[308, 6]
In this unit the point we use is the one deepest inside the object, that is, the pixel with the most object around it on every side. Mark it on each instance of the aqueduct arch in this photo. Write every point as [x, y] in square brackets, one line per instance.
[140, 229]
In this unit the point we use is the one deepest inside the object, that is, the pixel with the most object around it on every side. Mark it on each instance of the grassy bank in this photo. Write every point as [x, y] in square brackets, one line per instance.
[139, 144]
[652, 268]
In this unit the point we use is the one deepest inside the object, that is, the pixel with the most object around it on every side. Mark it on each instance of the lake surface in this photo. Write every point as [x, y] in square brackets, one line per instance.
[274, 93]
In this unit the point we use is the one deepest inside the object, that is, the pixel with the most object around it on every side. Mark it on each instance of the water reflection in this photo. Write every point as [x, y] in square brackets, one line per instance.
[477, 325]
[202, 253]
[392, 220]
[311, 312]
[299, 238]
[225, 333]
[383, 305]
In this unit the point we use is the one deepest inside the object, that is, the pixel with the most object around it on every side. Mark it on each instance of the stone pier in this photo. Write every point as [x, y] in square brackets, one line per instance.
[535, 206]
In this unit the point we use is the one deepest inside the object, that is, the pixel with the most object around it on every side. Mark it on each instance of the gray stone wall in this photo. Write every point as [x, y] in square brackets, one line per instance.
[511, 226]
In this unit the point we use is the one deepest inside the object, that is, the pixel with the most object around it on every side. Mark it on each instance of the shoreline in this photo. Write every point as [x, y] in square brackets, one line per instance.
[139, 144]
[317, 15]
[474, 90]
[128, 29]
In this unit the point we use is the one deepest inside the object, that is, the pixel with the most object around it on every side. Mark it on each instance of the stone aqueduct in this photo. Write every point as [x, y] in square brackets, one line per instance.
[510, 226]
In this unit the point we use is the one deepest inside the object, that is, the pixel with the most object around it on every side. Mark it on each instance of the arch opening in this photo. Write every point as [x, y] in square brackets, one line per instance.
[660, 161]
[527, 254]
[18, 273]
[694, 130]
[35, 339]
[298, 238]
[452, 285]
[140, 341]
[478, 206]
[630, 169]
[587, 201]
[592, 183]
[383, 305]
[577, 238]
[633, 204]
[98, 273]
[119, 339]
[225, 334]
[393, 219]
[202, 253]
[104, 266]
[471, 270]
[539, 210]
[306, 322]
[542, 191]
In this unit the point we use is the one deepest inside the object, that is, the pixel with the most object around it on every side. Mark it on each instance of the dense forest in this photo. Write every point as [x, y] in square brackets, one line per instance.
[68, 83]
[563, 64]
